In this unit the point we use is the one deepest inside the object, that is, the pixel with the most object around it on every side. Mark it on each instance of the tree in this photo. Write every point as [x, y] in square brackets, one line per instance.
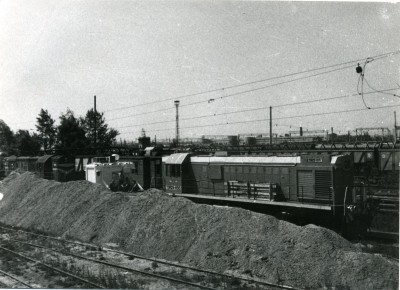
[70, 133]
[7, 138]
[97, 131]
[27, 144]
[47, 130]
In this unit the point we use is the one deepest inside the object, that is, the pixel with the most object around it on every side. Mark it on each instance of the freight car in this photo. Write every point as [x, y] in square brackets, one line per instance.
[313, 179]
[56, 167]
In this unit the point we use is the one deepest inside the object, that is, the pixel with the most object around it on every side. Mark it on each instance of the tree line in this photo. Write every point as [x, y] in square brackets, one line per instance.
[73, 132]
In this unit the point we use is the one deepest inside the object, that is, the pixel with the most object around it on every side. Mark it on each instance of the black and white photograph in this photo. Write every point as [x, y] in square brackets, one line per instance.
[199, 144]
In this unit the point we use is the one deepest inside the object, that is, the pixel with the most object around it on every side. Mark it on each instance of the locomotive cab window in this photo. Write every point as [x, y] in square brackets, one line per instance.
[173, 170]
[177, 170]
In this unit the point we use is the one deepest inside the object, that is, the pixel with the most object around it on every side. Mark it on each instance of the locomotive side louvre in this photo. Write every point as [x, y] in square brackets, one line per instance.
[324, 178]
[315, 179]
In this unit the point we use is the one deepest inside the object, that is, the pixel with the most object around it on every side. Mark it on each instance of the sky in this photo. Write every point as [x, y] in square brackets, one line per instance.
[226, 62]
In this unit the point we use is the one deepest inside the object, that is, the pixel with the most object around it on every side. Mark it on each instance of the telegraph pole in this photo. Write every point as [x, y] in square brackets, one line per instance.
[270, 125]
[95, 125]
[177, 123]
[395, 128]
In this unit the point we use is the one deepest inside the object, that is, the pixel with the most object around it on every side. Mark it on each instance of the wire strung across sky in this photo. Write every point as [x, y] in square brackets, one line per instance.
[230, 95]
[267, 119]
[376, 57]
[256, 109]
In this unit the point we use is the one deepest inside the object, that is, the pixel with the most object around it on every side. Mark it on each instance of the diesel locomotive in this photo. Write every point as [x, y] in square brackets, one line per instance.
[313, 179]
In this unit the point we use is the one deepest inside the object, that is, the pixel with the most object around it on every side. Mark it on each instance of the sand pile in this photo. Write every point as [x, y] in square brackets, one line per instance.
[223, 239]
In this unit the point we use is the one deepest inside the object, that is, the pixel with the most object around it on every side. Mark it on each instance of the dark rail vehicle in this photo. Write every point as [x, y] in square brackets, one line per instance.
[147, 168]
[10, 164]
[53, 167]
[314, 179]
[147, 171]
[2, 171]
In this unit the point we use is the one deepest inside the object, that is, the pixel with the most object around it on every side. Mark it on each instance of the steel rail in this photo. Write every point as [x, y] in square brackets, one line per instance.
[115, 265]
[53, 268]
[281, 286]
[15, 278]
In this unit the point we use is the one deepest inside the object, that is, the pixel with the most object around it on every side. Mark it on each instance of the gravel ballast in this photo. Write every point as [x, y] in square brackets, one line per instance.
[223, 239]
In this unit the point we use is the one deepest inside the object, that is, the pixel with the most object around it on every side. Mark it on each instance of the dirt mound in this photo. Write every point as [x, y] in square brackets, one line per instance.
[220, 238]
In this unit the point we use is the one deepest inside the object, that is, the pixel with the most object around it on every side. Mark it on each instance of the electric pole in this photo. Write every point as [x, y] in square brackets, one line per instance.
[177, 123]
[270, 125]
[395, 127]
[95, 125]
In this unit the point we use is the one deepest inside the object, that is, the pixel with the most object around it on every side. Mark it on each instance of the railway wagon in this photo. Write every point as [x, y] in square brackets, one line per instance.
[312, 178]
[147, 171]
[10, 164]
[45, 167]
[389, 159]
[27, 163]
[64, 168]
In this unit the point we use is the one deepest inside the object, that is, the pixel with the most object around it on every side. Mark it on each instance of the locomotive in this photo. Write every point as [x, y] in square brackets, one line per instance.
[312, 179]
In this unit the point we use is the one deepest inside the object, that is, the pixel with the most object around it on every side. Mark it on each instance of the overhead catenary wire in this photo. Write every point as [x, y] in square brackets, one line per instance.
[361, 71]
[253, 109]
[266, 119]
[229, 95]
[379, 91]
[384, 55]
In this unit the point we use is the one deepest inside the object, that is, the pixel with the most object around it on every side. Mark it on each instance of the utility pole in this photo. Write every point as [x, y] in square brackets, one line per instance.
[270, 125]
[95, 125]
[395, 128]
[177, 123]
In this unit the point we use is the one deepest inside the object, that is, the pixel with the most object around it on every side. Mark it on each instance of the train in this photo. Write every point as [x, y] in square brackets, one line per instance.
[310, 178]
[61, 168]
[290, 182]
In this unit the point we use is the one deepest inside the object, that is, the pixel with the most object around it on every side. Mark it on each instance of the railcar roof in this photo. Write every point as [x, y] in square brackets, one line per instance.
[247, 159]
[176, 158]
[44, 158]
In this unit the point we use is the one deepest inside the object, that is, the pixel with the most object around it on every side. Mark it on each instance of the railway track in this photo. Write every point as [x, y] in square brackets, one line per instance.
[37, 263]
[154, 268]
[14, 278]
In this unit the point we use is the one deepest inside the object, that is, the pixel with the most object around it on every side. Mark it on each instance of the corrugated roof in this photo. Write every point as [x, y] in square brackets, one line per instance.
[176, 158]
[248, 159]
